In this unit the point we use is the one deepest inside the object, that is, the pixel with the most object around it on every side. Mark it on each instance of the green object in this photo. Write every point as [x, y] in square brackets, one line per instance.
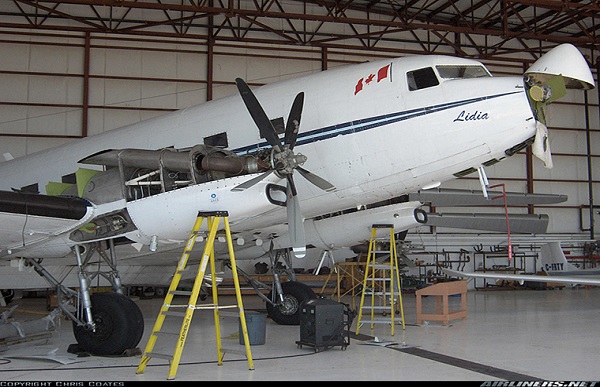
[54, 188]
[82, 177]
[559, 90]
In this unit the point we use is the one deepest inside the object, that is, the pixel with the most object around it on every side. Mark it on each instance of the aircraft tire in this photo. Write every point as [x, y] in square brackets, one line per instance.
[137, 323]
[294, 294]
[119, 325]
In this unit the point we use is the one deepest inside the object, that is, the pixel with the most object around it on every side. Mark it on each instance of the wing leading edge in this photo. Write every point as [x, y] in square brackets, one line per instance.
[581, 280]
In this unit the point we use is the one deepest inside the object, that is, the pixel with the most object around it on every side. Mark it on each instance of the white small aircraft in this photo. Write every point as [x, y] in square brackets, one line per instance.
[552, 261]
[369, 134]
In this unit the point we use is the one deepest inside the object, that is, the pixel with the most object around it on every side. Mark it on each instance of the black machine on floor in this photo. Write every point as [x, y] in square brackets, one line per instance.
[324, 324]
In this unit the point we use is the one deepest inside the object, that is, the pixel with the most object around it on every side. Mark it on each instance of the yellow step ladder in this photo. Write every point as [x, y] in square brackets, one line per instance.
[213, 219]
[381, 287]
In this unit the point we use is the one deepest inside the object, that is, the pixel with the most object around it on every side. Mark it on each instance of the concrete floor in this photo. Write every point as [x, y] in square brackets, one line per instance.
[507, 335]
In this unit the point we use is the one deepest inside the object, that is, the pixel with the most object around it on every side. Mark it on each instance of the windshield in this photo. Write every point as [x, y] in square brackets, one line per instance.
[451, 71]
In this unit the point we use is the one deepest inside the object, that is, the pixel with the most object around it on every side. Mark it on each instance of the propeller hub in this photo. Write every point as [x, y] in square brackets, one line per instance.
[286, 161]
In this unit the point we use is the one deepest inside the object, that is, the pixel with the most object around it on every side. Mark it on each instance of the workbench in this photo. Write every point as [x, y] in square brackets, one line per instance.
[441, 292]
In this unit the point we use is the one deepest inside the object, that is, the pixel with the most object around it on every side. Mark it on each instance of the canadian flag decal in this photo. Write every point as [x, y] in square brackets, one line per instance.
[381, 74]
[359, 86]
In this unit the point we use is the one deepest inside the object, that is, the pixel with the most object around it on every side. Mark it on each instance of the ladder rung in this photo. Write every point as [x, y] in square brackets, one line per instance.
[380, 266]
[377, 307]
[159, 355]
[381, 321]
[181, 292]
[371, 293]
[387, 321]
[213, 306]
[378, 279]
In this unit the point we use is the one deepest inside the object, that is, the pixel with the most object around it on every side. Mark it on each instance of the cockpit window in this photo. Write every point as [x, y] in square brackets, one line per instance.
[421, 79]
[452, 72]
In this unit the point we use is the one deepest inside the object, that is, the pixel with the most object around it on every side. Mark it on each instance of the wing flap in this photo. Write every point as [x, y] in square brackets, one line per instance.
[519, 223]
[447, 197]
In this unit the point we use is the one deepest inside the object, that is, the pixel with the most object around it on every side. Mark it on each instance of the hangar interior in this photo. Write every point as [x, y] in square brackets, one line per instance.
[73, 69]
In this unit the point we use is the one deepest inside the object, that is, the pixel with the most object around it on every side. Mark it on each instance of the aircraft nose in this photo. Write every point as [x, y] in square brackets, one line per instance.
[564, 60]
[547, 80]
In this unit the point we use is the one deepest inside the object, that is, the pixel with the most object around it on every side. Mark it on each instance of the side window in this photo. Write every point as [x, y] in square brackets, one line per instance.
[421, 79]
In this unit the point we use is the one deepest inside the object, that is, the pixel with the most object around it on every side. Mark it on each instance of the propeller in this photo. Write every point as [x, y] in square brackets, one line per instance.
[283, 160]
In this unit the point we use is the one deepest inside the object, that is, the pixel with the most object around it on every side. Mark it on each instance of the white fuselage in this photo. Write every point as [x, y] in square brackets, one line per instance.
[372, 144]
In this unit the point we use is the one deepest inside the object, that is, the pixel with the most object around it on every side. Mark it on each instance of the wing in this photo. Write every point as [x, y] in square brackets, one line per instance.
[581, 280]
[29, 221]
[518, 223]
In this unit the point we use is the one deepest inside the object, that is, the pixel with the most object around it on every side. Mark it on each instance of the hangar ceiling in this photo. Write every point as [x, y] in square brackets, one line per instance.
[470, 28]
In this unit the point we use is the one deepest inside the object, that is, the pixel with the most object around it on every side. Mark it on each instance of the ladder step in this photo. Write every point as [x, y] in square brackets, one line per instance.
[160, 355]
[376, 307]
[181, 293]
[371, 293]
[380, 266]
[378, 279]
[381, 321]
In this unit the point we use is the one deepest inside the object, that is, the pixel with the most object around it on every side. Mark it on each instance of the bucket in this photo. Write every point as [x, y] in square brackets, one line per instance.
[256, 324]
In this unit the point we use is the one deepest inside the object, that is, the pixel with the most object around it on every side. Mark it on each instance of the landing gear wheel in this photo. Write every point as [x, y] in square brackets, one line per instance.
[119, 325]
[294, 294]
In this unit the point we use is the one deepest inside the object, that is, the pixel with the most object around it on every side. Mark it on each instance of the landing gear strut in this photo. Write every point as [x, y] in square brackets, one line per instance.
[284, 298]
[104, 323]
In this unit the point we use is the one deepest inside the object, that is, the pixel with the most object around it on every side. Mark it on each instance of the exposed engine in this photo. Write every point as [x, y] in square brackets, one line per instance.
[136, 173]
[132, 174]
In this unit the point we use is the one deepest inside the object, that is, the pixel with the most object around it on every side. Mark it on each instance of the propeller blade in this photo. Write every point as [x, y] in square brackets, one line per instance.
[252, 181]
[293, 124]
[295, 225]
[291, 185]
[316, 180]
[265, 127]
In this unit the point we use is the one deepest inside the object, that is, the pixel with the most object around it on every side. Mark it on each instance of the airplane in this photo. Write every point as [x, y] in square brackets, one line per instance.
[552, 261]
[360, 137]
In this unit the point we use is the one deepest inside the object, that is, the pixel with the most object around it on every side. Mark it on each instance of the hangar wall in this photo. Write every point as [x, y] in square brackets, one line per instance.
[57, 87]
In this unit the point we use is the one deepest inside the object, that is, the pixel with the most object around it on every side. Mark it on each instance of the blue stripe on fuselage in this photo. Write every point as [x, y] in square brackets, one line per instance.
[370, 123]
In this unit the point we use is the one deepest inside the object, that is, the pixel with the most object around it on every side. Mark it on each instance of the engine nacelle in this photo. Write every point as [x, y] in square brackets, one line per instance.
[198, 161]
